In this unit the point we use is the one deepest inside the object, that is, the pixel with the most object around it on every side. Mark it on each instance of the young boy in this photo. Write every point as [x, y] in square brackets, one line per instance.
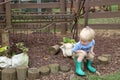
[84, 49]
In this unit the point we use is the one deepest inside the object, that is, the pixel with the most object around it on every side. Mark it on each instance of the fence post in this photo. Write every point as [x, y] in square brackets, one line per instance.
[8, 24]
[87, 13]
[63, 11]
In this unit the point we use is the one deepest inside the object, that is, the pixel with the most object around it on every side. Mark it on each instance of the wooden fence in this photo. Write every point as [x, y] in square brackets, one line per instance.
[102, 14]
[8, 18]
[38, 21]
[27, 22]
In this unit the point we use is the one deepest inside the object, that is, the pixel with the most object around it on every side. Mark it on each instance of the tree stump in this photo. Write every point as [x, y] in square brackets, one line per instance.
[44, 70]
[54, 68]
[54, 49]
[21, 73]
[33, 73]
[9, 74]
[65, 68]
[104, 58]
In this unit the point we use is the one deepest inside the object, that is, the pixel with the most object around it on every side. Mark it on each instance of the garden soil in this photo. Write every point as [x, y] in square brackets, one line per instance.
[107, 42]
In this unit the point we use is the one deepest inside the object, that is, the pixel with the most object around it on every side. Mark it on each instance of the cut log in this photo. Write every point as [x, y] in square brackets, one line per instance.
[21, 73]
[9, 73]
[65, 68]
[54, 68]
[33, 73]
[104, 58]
[54, 49]
[44, 70]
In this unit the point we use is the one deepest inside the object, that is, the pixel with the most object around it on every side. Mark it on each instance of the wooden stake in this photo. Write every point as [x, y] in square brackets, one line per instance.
[33, 73]
[21, 73]
[9, 74]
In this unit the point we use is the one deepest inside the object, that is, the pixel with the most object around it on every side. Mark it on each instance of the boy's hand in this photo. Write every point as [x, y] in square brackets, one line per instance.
[92, 53]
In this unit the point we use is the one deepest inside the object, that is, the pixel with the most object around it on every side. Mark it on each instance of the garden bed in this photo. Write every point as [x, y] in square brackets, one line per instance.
[107, 42]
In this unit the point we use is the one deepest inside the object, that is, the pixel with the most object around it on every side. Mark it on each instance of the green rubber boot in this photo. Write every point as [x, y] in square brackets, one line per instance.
[90, 67]
[79, 70]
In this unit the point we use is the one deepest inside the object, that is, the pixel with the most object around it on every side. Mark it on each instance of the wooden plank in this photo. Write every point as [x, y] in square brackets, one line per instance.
[57, 4]
[105, 26]
[94, 26]
[99, 2]
[102, 2]
[34, 5]
[104, 15]
[2, 15]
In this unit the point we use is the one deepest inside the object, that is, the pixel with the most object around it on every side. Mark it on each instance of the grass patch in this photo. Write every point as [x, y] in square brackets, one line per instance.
[90, 76]
[104, 21]
[113, 76]
[114, 7]
[101, 21]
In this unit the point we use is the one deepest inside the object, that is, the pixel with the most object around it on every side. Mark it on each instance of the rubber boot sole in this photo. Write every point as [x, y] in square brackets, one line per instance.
[80, 75]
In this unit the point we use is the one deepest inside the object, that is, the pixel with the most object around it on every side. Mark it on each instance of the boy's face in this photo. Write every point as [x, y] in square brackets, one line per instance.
[84, 42]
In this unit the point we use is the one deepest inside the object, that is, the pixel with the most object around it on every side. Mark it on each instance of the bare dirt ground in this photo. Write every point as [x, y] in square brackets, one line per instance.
[107, 42]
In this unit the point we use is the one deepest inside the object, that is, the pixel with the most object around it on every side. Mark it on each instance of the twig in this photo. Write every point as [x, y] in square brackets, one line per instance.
[5, 2]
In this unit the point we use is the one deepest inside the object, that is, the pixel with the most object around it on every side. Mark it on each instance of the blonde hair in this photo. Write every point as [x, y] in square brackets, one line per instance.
[87, 34]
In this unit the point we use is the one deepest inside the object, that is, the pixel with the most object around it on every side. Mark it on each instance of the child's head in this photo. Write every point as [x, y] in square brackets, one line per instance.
[87, 34]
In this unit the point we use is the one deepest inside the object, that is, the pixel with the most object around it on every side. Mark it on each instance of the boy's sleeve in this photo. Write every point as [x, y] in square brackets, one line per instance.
[93, 42]
[75, 48]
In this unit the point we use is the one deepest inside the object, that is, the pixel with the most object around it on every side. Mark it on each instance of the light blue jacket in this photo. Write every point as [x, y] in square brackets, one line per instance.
[86, 48]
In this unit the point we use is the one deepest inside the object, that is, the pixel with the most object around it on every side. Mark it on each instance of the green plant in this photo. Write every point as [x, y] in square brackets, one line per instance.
[68, 40]
[22, 47]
